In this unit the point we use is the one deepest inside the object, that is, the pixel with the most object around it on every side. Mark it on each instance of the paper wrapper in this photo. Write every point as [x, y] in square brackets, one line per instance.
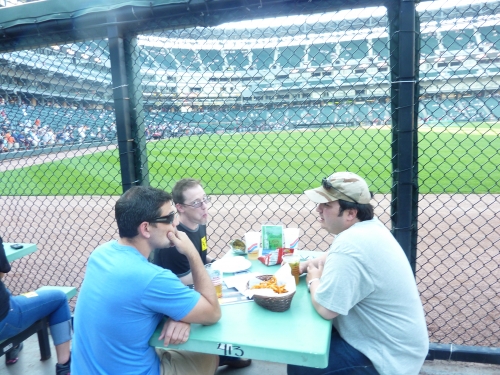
[283, 277]
[276, 256]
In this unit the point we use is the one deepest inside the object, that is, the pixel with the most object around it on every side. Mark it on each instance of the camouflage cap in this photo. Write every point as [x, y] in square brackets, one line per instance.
[346, 186]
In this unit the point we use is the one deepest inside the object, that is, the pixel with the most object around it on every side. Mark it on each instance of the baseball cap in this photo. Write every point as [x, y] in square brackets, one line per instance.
[347, 186]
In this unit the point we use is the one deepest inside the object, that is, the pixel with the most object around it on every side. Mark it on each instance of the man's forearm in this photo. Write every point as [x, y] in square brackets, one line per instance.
[323, 311]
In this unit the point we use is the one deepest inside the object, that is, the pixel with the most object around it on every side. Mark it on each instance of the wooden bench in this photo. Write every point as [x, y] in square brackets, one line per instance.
[40, 327]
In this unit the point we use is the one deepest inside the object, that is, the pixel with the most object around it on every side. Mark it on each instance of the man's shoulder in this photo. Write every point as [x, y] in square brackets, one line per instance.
[201, 228]
[105, 247]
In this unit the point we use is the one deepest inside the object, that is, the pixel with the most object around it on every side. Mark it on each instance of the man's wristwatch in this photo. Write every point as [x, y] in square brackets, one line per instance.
[310, 282]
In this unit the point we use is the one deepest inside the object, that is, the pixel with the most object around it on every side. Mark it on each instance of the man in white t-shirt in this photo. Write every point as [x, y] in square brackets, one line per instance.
[365, 285]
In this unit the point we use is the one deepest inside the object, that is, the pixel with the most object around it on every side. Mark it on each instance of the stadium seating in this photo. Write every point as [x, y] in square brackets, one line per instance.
[285, 73]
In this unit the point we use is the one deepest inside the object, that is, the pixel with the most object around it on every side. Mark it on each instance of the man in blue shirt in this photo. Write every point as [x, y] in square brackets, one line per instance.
[124, 297]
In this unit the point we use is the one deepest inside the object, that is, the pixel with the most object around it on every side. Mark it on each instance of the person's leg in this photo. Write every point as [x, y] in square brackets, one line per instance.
[234, 362]
[63, 352]
[27, 309]
[180, 362]
[343, 359]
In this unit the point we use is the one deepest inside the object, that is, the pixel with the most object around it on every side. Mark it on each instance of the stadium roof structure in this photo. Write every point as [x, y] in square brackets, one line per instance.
[63, 22]
[53, 10]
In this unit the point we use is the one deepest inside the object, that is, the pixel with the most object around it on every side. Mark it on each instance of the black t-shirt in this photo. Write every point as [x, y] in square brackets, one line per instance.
[176, 262]
[4, 296]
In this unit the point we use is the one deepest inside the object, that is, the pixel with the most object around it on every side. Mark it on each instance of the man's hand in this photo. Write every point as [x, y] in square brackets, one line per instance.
[315, 262]
[174, 332]
[303, 266]
[182, 242]
[314, 272]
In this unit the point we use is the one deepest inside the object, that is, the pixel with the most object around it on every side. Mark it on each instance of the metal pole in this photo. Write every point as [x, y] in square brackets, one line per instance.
[126, 146]
[136, 108]
[403, 93]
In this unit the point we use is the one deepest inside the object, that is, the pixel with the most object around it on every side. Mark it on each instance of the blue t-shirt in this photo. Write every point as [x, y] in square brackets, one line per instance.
[121, 302]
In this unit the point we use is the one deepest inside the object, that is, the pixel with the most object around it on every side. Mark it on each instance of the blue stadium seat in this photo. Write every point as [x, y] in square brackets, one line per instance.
[291, 56]
[212, 60]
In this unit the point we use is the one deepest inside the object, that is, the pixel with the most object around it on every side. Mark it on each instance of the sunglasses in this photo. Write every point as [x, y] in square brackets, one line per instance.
[199, 202]
[327, 185]
[167, 219]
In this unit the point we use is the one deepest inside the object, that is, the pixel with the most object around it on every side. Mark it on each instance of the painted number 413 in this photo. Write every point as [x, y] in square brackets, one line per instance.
[229, 349]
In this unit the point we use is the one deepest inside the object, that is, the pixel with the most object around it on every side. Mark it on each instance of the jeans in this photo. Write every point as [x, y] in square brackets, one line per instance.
[24, 311]
[343, 359]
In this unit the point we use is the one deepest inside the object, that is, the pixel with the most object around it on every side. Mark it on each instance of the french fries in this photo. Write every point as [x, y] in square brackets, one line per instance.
[270, 284]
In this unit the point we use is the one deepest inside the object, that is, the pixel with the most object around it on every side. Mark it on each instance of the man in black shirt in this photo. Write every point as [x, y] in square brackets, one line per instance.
[192, 203]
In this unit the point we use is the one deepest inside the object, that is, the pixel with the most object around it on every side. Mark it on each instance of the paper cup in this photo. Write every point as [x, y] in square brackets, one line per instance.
[294, 262]
[292, 238]
[252, 244]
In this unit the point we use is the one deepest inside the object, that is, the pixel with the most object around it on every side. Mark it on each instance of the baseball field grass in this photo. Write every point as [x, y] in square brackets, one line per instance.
[452, 159]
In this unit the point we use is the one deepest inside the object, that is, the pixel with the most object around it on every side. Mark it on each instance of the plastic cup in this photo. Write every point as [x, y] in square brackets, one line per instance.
[252, 245]
[216, 277]
[294, 262]
[292, 236]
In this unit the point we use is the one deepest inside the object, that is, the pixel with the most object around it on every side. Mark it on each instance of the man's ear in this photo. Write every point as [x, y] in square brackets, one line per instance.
[352, 214]
[180, 207]
[144, 229]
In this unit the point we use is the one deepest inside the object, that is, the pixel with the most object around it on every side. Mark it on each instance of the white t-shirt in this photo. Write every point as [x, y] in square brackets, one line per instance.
[368, 280]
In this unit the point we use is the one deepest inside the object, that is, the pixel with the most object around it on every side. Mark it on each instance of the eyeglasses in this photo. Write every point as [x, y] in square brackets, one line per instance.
[197, 203]
[328, 185]
[167, 219]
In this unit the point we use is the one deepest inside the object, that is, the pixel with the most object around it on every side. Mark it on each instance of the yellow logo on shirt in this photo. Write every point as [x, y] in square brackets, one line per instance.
[204, 244]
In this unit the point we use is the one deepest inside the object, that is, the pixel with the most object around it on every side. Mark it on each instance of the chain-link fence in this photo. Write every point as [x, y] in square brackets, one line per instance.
[260, 113]
[459, 109]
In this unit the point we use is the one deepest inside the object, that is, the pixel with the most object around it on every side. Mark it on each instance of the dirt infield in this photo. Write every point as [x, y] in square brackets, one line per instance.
[457, 261]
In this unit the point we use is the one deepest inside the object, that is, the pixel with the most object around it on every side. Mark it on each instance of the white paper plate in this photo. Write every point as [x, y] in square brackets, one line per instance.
[231, 265]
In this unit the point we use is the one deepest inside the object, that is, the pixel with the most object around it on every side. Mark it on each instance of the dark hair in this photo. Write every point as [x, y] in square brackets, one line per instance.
[364, 211]
[181, 186]
[137, 205]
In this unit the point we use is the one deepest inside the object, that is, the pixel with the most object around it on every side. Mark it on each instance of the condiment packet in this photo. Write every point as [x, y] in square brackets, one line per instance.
[276, 256]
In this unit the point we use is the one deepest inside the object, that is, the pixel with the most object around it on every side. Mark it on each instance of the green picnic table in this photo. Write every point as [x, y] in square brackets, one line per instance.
[298, 336]
[13, 254]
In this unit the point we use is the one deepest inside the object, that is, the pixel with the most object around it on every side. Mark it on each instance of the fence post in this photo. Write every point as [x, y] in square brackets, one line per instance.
[127, 147]
[404, 91]
[132, 63]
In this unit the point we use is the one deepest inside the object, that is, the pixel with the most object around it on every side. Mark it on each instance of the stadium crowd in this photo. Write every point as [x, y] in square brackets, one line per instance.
[22, 129]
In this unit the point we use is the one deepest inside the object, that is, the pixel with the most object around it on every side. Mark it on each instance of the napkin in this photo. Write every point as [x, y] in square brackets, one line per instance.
[283, 277]
[240, 281]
